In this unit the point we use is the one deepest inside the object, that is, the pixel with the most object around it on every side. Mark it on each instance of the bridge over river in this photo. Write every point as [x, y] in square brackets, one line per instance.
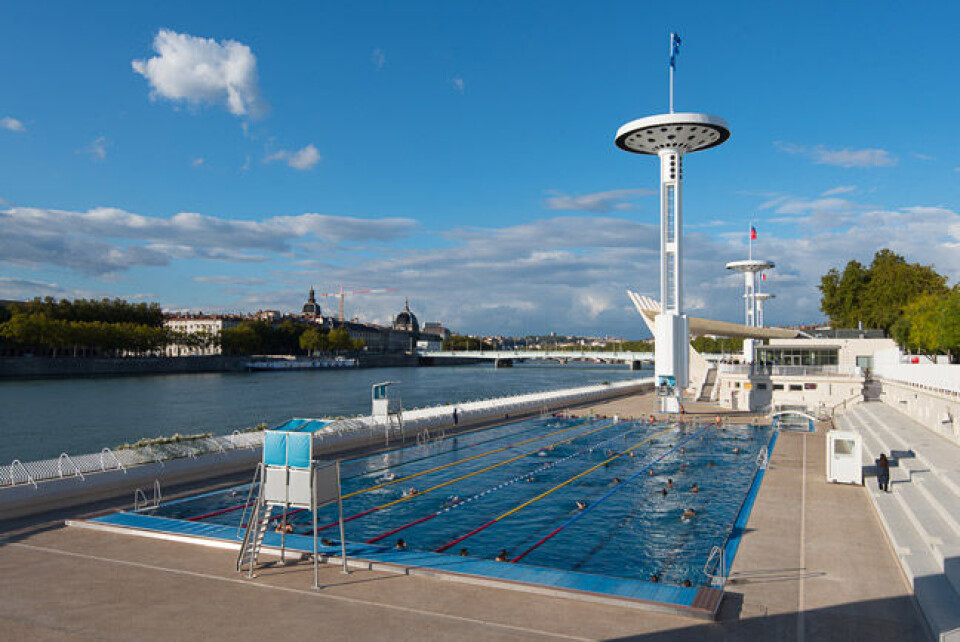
[506, 358]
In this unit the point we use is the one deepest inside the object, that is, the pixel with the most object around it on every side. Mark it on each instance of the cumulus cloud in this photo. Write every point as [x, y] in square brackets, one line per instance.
[229, 280]
[12, 124]
[199, 71]
[597, 202]
[302, 159]
[847, 157]
[378, 58]
[106, 240]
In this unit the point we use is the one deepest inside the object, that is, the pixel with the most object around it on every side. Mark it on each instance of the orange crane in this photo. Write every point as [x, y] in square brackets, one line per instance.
[341, 293]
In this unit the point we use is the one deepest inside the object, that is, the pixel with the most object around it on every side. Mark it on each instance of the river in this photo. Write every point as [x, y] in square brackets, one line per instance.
[43, 418]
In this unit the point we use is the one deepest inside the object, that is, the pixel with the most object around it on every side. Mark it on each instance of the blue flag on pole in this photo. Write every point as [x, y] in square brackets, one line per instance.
[674, 50]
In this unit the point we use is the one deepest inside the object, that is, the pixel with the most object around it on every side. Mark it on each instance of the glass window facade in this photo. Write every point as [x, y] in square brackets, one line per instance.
[796, 356]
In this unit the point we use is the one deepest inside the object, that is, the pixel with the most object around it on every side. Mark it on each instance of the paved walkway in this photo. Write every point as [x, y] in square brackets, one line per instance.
[811, 549]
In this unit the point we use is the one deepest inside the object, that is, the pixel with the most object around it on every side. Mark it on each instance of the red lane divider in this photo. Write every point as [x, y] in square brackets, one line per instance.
[219, 512]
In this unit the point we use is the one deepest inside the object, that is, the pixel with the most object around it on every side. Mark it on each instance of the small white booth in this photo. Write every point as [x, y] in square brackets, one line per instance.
[844, 457]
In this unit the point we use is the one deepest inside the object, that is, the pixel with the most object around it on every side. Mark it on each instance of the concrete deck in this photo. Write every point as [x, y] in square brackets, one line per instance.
[814, 564]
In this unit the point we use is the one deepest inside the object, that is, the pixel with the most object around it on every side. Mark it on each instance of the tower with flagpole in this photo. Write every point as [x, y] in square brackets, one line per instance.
[671, 136]
[752, 299]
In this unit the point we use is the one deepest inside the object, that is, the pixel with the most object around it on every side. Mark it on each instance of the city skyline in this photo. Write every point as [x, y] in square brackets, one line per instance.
[464, 155]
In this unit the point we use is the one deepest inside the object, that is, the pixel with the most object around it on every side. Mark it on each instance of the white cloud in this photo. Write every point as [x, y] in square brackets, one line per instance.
[197, 162]
[459, 84]
[12, 124]
[106, 240]
[199, 71]
[923, 157]
[302, 159]
[846, 157]
[229, 280]
[597, 202]
[840, 189]
[378, 58]
[98, 148]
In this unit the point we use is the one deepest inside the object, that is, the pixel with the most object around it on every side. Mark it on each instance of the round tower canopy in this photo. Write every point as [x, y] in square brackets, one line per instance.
[753, 265]
[684, 132]
[764, 296]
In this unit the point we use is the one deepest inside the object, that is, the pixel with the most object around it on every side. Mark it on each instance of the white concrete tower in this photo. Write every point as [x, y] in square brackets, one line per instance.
[760, 297]
[750, 269]
[671, 136]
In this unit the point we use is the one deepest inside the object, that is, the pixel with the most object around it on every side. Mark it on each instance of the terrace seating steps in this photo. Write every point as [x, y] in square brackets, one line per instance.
[922, 513]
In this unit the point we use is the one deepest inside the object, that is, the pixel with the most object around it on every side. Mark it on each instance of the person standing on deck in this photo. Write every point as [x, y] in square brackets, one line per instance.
[883, 473]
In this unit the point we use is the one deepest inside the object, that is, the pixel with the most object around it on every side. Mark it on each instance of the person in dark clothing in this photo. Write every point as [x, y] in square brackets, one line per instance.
[883, 473]
[456, 417]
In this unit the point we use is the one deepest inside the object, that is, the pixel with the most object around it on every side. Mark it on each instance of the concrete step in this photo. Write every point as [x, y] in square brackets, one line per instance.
[939, 454]
[940, 605]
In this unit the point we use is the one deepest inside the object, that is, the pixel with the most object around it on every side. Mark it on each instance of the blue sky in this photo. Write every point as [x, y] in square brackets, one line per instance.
[227, 157]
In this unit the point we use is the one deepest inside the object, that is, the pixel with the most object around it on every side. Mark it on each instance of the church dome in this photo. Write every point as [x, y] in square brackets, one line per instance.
[311, 307]
[406, 320]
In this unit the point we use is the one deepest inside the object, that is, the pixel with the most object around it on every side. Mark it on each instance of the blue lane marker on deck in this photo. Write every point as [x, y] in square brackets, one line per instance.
[571, 580]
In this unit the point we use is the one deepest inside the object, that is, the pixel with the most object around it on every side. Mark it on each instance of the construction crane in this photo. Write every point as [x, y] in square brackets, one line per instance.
[341, 293]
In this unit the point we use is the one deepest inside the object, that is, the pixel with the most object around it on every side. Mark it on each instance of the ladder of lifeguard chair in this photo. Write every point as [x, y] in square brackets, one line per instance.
[253, 538]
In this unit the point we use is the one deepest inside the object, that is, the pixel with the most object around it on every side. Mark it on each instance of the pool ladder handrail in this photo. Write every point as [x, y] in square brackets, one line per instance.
[76, 469]
[16, 463]
[140, 501]
[763, 458]
[719, 577]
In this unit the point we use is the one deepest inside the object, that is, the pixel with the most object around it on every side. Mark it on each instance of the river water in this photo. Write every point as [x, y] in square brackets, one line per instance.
[43, 418]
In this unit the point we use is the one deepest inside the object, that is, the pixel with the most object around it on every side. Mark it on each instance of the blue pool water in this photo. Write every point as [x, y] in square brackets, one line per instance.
[531, 474]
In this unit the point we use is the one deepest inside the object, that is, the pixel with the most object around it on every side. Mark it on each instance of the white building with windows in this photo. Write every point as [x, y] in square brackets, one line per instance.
[206, 326]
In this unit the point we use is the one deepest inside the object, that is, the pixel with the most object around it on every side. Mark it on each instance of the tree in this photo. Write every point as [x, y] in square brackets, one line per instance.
[312, 340]
[340, 339]
[878, 295]
[240, 339]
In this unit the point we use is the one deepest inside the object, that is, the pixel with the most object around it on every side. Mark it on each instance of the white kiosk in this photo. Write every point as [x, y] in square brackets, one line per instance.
[844, 457]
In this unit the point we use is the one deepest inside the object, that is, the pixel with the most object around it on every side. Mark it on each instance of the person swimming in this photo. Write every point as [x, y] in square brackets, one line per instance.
[502, 556]
[389, 477]
[464, 553]
[663, 492]
[688, 514]
[581, 505]
[451, 501]
[687, 583]
[409, 492]
[655, 578]
[710, 464]
[284, 528]
[669, 483]
[736, 450]
[401, 545]
[694, 489]
[616, 480]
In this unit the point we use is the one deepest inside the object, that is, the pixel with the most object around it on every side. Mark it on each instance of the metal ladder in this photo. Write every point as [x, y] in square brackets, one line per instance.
[253, 537]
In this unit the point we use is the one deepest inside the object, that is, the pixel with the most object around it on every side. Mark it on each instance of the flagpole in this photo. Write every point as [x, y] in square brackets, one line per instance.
[671, 70]
[750, 242]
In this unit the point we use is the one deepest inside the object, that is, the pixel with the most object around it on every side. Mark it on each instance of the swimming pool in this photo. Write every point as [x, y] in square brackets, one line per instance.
[516, 488]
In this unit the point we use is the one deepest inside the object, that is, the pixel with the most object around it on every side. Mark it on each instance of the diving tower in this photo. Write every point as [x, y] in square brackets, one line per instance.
[670, 137]
[760, 298]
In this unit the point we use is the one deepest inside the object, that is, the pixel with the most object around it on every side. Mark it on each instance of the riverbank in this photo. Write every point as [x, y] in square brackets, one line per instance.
[74, 367]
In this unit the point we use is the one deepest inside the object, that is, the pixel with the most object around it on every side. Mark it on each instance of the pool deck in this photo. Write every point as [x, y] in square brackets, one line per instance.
[814, 564]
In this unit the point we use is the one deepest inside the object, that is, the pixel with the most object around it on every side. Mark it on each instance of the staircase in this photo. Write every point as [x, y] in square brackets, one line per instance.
[709, 381]
[922, 513]
[253, 537]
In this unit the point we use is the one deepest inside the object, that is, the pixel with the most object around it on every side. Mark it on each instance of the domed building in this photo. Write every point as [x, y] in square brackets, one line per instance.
[407, 320]
[311, 308]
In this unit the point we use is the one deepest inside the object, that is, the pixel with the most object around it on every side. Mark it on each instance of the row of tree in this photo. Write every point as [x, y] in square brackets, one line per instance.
[103, 310]
[910, 301]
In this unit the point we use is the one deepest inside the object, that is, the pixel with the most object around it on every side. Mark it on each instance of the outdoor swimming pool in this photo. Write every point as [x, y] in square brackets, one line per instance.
[517, 487]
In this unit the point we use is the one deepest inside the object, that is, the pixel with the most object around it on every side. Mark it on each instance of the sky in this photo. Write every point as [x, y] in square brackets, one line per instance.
[227, 157]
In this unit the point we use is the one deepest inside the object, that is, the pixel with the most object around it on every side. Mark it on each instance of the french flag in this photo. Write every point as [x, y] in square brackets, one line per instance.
[753, 233]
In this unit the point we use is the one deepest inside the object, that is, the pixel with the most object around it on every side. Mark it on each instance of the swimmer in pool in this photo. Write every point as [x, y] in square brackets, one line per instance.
[694, 489]
[502, 556]
[284, 528]
[389, 477]
[683, 451]
[669, 483]
[687, 583]
[463, 552]
[663, 492]
[709, 464]
[688, 514]
[401, 545]
[655, 578]
[409, 492]
[616, 480]
[581, 505]
[736, 450]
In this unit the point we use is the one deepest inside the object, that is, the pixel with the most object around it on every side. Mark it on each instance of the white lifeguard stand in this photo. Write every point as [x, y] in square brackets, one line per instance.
[388, 407]
[671, 136]
[289, 478]
[844, 457]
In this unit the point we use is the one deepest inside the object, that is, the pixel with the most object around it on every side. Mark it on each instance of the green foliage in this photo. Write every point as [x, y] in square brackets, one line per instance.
[721, 345]
[877, 296]
[312, 340]
[240, 339]
[463, 342]
[930, 324]
[104, 310]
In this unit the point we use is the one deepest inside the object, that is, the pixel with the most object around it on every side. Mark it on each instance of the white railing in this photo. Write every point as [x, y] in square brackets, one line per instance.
[785, 371]
[717, 560]
[939, 378]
